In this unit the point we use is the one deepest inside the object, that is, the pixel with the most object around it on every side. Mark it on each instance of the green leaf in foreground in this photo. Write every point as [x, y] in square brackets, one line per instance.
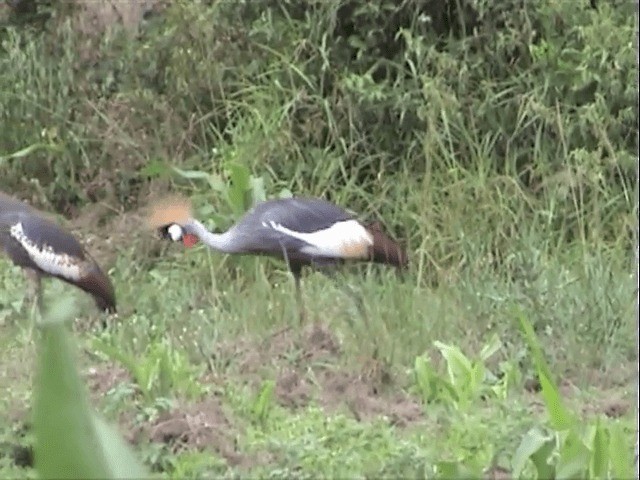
[71, 440]
[537, 446]
[561, 418]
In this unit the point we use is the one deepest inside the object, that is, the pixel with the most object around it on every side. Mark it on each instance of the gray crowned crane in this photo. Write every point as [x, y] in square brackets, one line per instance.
[43, 249]
[301, 231]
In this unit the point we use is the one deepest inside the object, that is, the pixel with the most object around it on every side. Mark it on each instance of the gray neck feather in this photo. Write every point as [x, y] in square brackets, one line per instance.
[222, 242]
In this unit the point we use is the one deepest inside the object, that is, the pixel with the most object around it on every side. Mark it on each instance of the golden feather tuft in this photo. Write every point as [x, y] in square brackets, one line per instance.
[174, 209]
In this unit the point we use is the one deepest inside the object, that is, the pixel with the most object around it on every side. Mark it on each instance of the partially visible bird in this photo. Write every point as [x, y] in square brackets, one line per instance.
[42, 248]
[301, 231]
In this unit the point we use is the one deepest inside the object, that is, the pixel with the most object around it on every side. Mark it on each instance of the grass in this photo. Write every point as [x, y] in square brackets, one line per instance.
[210, 336]
[511, 187]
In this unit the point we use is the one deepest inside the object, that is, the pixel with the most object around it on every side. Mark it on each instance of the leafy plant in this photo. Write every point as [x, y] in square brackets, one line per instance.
[466, 380]
[568, 448]
[72, 441]
[161, 371]
[263, 401]
[237, 187]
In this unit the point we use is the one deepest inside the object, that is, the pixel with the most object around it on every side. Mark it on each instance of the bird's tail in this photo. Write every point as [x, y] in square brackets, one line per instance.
[384, 249]
[96, 283]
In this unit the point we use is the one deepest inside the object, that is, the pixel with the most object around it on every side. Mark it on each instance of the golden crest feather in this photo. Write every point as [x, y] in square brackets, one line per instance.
[174, 209]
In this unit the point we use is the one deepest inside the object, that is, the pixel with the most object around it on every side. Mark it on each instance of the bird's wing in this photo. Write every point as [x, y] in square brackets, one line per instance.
[304, 228]
[33, 240]
[42, 231]
[304, 215]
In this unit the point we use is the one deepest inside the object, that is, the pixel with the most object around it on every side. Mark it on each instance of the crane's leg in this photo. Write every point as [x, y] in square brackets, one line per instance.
[296, 271]
[34, 289]
[33, 296]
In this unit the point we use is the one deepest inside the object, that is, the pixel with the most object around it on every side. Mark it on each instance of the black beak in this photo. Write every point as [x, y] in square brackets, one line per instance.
[163, 232]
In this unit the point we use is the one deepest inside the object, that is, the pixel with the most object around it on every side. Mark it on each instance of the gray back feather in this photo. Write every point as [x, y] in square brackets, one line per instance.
[39, 229]
[42, 231]
[252, 233]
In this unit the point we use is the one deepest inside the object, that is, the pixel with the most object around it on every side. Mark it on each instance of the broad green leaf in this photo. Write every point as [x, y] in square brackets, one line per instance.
[477, 377]
[239, 186]
[121, 462]
[258, 192]
[239, 175]
[69, 443]
[620, 453]
[430, 383]
[285, 193]
[532, 341]
[423, 374]
[532, 442]
[458, 366]
[490, 348]
[600, 452]
[558, 413]
[560, 417]
[219, 221]
[205, 210]
[542, 460]
[216, 183]
[574, 458]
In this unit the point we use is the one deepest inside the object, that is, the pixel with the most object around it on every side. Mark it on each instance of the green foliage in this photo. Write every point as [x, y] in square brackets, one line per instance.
[392, 108]
[238, 189]
[569, 448]
[466, 381]
[72, 441]
[496, 139]
[263, 401]
[563, 448]
[161, 371]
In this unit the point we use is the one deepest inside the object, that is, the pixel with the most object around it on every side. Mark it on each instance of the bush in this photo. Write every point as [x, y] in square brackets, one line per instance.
[522, 115]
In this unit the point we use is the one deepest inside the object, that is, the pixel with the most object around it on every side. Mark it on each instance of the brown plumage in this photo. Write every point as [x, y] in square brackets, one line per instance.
[384, 249]
[33, 241]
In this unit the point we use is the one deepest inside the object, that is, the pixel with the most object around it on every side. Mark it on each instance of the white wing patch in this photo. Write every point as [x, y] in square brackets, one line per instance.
[46, 258]
[347, 239]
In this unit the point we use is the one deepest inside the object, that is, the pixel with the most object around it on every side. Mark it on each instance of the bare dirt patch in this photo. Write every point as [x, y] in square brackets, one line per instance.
[606, 393]
[198, 426]
[94, 16]
[103, 378]
[308, 366]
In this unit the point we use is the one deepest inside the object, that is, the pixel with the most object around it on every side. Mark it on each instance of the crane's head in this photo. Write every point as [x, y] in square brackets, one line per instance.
[171, 218]
[177, 233]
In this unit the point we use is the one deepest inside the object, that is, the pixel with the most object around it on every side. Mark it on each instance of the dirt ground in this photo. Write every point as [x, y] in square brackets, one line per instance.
[367, 391]
[314, 376]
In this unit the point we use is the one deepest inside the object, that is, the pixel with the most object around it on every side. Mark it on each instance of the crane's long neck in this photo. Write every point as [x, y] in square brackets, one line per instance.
[223, 242]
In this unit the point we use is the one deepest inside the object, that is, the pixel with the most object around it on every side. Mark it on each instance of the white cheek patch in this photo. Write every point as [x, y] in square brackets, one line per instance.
[347, 239]
[46, 258]
[175, 232]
